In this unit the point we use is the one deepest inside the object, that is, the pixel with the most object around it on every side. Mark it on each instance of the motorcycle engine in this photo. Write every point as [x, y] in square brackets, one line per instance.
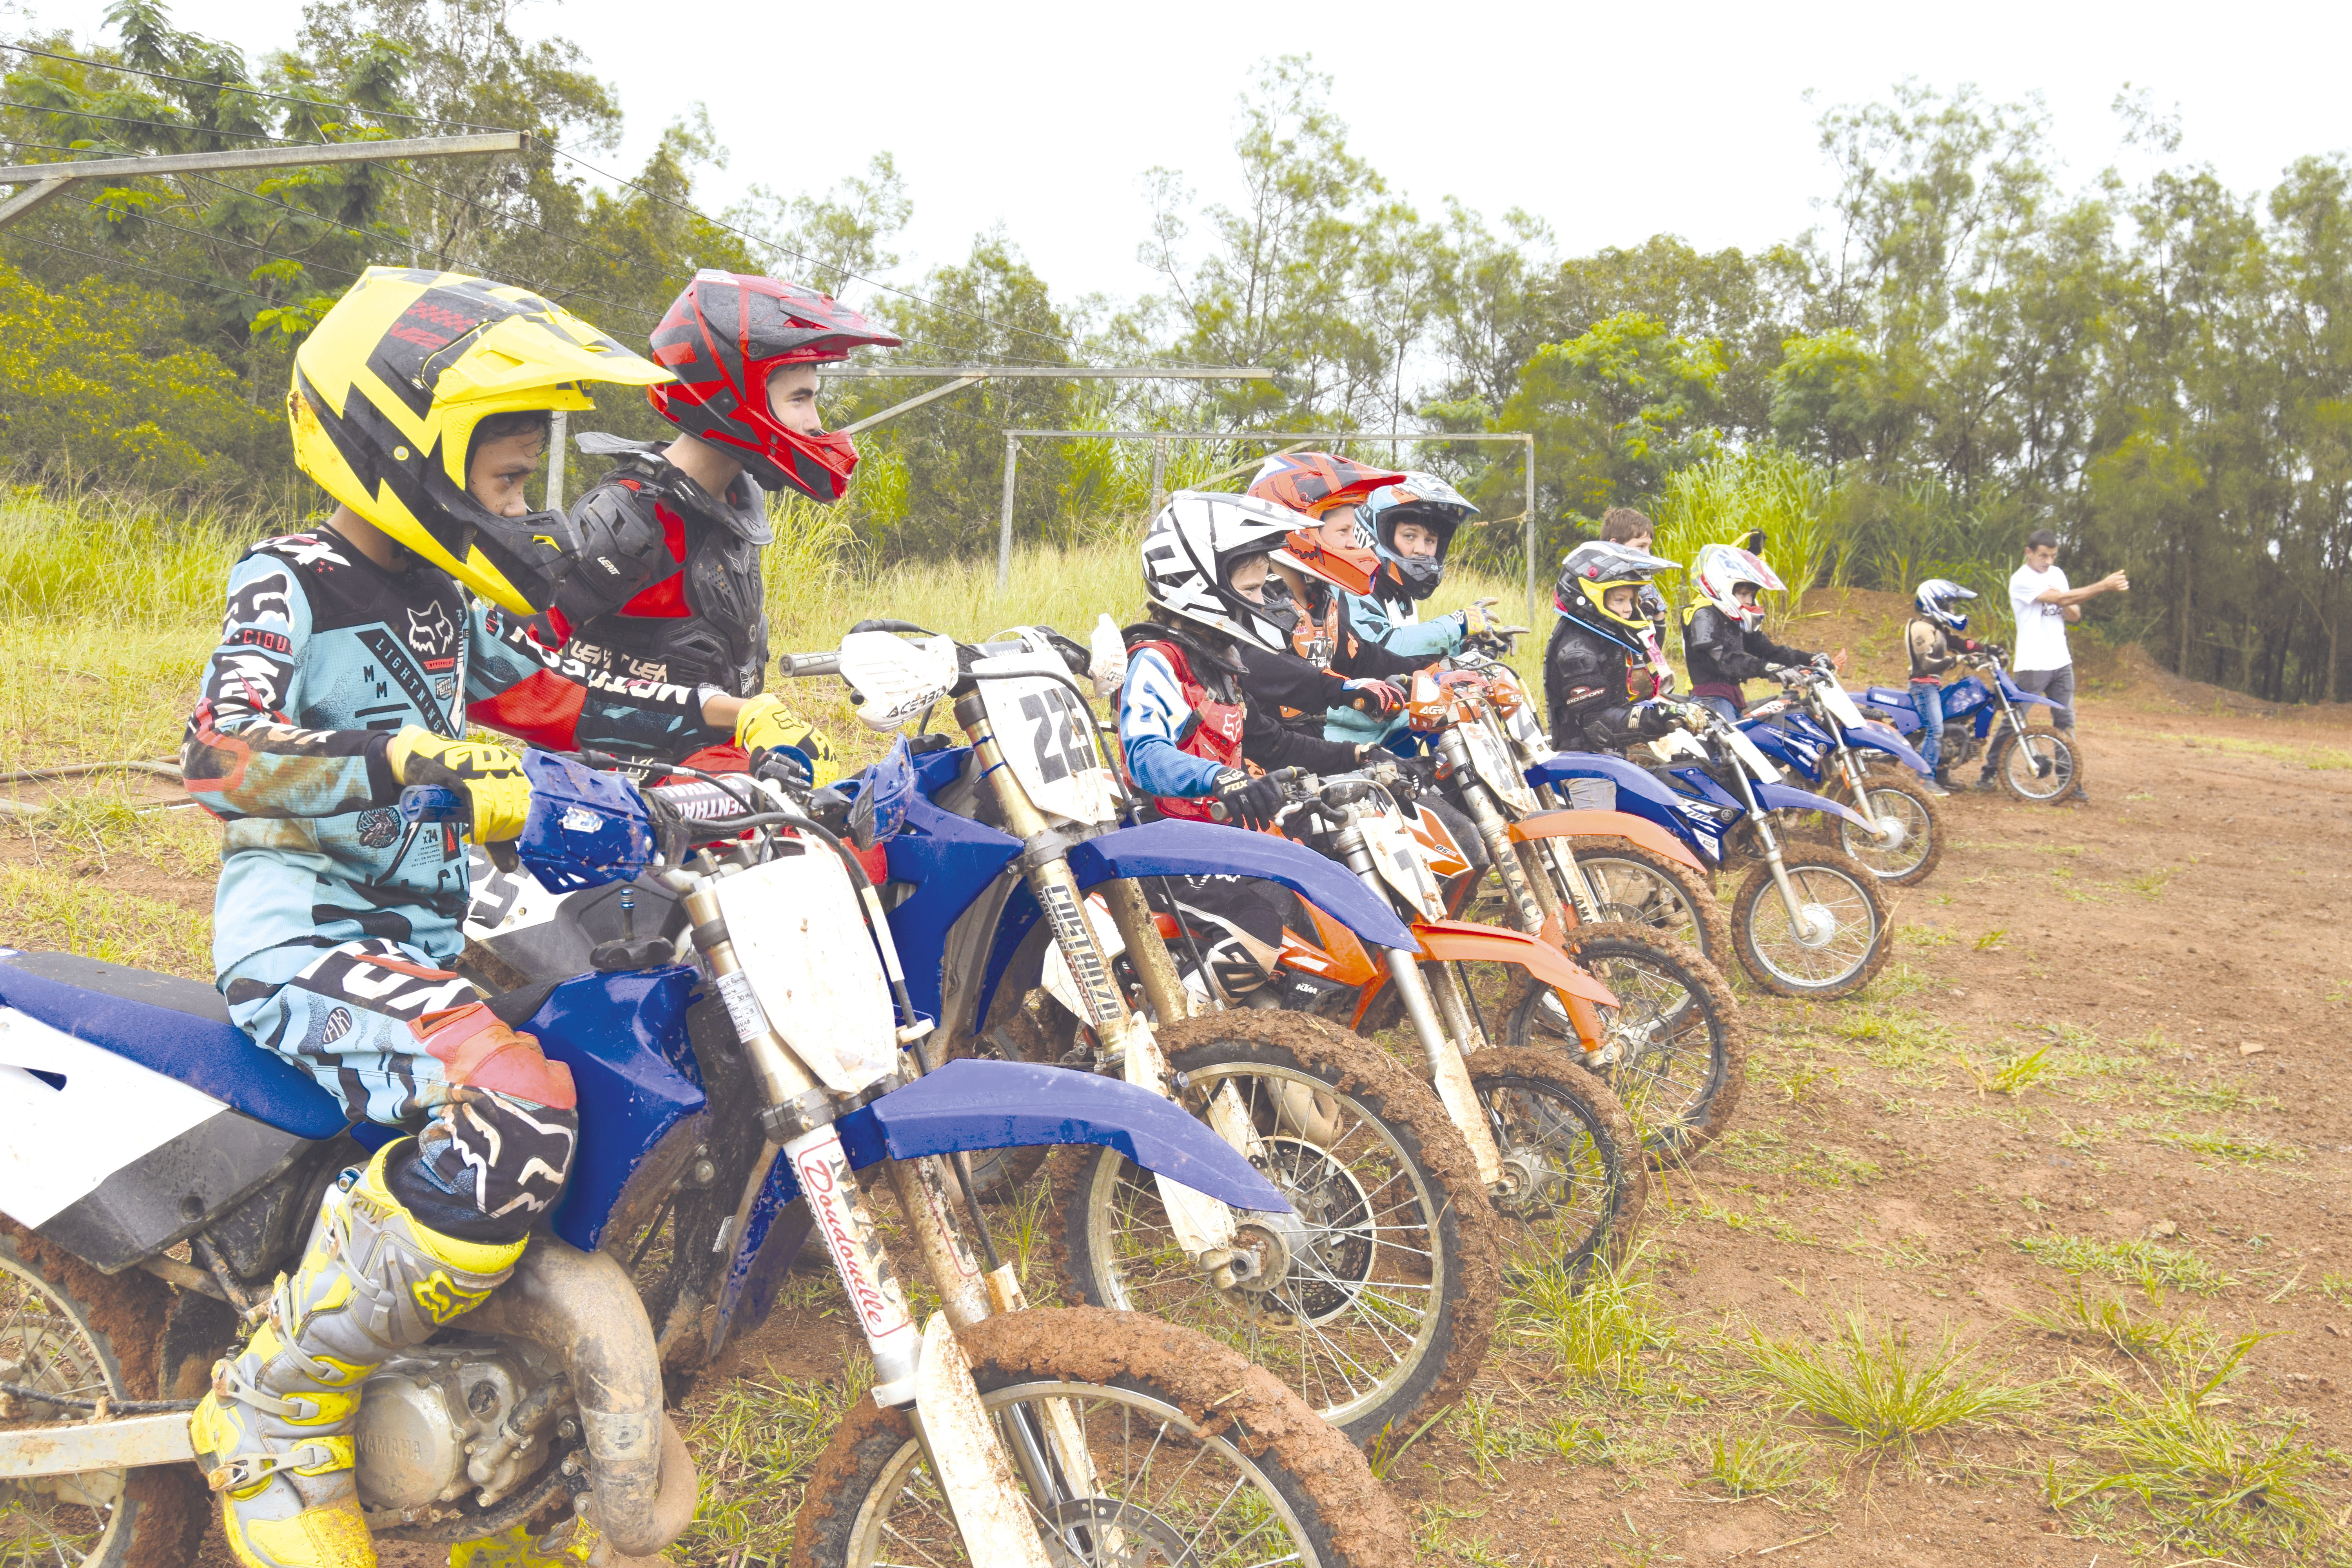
[452, 1418]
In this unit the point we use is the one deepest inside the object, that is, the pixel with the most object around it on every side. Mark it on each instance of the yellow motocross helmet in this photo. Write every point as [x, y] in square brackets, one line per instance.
[387, 391]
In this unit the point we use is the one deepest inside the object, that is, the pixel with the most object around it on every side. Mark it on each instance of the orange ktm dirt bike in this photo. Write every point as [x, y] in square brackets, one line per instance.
[1557, 1150]
[1672, 1049]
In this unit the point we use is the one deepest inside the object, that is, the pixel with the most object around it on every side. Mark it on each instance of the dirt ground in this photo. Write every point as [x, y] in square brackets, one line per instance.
[2177, 953]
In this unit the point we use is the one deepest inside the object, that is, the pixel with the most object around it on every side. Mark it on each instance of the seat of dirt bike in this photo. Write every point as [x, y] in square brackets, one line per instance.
[177, 1027]
[1887, 696]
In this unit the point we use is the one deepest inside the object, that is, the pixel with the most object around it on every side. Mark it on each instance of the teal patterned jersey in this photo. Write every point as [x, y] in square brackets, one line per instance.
[323, 656]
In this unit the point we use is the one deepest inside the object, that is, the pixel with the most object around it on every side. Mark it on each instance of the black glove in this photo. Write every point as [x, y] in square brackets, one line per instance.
[1248, 801]
[1823, 663]
[1651, 722]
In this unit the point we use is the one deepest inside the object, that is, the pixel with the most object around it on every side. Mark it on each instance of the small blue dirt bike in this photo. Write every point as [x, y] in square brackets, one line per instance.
[2041, 767]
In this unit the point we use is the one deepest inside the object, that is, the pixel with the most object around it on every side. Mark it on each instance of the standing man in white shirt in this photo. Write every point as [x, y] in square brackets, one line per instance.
[2042, 602]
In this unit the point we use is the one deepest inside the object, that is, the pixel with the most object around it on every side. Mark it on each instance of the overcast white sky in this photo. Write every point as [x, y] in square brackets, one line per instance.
[1613, 122]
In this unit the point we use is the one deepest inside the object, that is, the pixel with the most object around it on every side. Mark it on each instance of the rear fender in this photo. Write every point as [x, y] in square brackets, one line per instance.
[1176, 847]
[1604, 824]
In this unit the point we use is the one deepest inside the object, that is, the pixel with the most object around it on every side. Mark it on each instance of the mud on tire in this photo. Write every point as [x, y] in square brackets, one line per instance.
[1582, 1124]
[1221, 1408]
[1716, 1031]
[1709, 929]
[117, 1321]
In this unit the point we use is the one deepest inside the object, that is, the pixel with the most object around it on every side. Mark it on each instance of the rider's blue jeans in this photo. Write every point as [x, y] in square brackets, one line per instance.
[1927, 698]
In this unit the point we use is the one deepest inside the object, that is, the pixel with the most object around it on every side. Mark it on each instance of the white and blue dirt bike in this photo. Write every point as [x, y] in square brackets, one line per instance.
[158, 1169]
[1815, 731]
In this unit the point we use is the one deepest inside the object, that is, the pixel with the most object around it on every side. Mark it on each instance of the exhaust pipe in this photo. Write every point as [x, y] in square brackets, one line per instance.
[580, 1307]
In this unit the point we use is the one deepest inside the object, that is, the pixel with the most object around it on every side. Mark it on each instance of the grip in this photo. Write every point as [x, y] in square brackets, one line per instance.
[431, 803]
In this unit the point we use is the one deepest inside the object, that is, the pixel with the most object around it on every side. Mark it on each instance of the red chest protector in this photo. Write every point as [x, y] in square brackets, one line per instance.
[1214, 735]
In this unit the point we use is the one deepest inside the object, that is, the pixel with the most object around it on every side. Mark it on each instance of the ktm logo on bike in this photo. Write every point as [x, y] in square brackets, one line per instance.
[442, 1299]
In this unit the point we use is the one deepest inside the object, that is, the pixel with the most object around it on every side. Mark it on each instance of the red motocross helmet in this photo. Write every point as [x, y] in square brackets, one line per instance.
[722, 339]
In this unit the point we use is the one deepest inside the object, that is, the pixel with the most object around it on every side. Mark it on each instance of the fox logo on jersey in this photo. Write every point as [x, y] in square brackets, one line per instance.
[430, 633]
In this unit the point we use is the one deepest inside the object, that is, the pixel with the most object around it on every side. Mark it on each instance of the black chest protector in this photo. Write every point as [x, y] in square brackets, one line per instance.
[721, 639]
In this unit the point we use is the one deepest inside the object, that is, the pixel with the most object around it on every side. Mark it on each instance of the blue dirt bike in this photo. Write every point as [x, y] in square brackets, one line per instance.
[1806, 921]
[1984, 716]
[1019, 904]
[158, 1169]
[1815, 731]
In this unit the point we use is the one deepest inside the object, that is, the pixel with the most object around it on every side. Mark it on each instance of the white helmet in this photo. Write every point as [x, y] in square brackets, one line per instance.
[1722, 568]
[1188, 554]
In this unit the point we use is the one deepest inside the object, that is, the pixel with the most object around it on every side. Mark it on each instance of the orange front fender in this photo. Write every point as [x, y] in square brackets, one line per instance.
[1459, 941]
[1605, 825]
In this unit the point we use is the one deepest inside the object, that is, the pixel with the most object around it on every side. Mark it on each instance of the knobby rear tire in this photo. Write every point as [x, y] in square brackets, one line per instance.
[115, 1325]
[1224, 1417]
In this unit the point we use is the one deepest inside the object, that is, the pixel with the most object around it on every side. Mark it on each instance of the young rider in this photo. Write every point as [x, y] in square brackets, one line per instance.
[1409, 526]
[1723, 631]
[1603, 662]
[1936, 646]
[420, 403]
[662, 635]
[1191, 732]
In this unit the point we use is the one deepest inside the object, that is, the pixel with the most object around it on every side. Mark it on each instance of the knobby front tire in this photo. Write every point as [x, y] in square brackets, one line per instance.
[1387, 1317]
[1244, 1473]
[1781, 961]
[1909, 801]
[1552, 1118]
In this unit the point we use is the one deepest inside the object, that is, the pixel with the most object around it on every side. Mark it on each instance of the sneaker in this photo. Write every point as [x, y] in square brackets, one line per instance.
[1984, 785]
[1938, 787]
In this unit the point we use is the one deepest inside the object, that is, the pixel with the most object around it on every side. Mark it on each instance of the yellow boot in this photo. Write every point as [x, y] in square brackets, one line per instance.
[274, 1436]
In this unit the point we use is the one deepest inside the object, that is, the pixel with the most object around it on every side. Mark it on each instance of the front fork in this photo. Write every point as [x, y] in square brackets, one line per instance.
[925, 1375]
[1205, 1227]
[1536, 901]
[1448, 1071]
[1770, 853]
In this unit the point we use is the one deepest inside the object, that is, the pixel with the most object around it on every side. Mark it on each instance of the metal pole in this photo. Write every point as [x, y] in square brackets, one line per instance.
[279, 157]
[1004, 528]
[556, 429]
[24, 201]
[1530, 517]
[1159, 473]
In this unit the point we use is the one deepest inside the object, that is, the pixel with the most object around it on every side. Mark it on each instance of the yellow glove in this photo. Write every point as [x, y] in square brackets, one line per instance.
[1478, 618]
[490, 777]
[765, 724]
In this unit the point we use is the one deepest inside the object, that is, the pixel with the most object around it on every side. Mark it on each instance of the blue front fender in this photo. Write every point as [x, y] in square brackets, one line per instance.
[1781, 798]
[968, 1106]
[1883, 738]
[1174, 848]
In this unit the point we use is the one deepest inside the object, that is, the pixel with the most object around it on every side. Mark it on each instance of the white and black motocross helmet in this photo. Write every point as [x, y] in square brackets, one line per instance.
[1189, 552]
[1423, 499]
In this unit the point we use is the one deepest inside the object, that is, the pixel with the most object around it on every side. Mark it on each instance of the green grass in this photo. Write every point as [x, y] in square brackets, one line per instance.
[2144, 1263]
[80, 915]
[2210, 1483]
[2107, 1322]
[2237, 1148]
[1878, 1389]
[755, 1443]
[1597, 1325]
[1750, 1464]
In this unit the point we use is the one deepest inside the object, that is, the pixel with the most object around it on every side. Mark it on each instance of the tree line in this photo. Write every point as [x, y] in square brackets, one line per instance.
[1960, 351]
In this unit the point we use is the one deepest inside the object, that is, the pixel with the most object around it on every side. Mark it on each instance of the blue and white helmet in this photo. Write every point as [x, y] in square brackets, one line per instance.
[1935, 599]
[1423, 499]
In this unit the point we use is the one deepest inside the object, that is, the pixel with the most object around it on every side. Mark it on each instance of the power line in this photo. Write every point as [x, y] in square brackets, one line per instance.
[156, 125]
[157, 271]
[240, 87]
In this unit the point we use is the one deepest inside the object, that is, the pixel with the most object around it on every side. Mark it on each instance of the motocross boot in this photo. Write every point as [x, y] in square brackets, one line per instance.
[274, 1436]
